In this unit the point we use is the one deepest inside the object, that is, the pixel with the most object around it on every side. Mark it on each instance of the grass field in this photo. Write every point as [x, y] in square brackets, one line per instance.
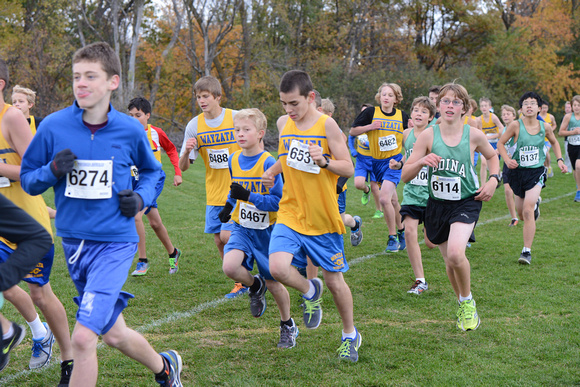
[529, 333]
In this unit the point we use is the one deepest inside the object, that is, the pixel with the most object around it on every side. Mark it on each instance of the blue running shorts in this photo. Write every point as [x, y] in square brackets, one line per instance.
[326, 250]
[213, 225]
[255, 244]
[383, 172]
[40, 275]
[364, 167]
[99, 273]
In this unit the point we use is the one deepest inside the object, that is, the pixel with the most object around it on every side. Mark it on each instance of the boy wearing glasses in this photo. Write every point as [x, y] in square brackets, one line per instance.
[527, 172]
[455, 198]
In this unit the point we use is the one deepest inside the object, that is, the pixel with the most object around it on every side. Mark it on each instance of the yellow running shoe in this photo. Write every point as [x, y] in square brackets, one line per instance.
[467, 317]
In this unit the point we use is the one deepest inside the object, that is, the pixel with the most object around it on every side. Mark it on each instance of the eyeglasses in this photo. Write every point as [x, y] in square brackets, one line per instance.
[455, 102]
[533, 103]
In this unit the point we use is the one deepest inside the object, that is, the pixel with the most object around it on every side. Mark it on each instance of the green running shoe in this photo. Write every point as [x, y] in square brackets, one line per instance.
[378, 215]
[174, 262]
[366, 195]
[467, 317]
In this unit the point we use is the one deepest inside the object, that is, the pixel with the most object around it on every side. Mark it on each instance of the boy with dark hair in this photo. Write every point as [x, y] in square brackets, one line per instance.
[140, 109]
[312, 152]
[416, 192]
[526, 164]
[211, 135]
[85, 152]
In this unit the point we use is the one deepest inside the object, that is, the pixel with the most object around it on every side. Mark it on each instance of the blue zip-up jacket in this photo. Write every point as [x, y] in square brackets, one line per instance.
[123, 141]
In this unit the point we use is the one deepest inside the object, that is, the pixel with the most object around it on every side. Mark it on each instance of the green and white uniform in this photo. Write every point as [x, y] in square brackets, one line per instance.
[454, 178]
[416, 192]
[529, 152]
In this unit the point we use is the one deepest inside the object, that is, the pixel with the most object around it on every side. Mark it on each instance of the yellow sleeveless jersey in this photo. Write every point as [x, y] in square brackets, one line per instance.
[308, 204]
[33, 205]
[548, 120]
[32, 125]
[388, 140]
[251, 180]
[154, 147]
[215, 145]
[489, 127]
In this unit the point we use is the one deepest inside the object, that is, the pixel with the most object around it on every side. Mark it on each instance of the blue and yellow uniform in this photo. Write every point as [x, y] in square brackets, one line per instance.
[308, 223]
[215, 146]
[385, 143]
[489, 128]
[254, 219]
[33, 205]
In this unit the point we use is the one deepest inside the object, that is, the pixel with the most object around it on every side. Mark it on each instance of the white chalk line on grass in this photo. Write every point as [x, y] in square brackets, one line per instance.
[212, 304]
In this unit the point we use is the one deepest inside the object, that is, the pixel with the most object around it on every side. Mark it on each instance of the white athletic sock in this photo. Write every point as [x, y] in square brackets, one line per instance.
[351, 335]
[526, 250]
[420, 279]
[37, 327]
[310, 293]
[461, 298]
[8, 334]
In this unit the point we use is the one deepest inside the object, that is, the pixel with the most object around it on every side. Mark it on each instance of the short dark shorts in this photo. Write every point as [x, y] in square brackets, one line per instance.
[440, 214]
[574, 154]
[415, 212]
[524, 179]
[505, 174]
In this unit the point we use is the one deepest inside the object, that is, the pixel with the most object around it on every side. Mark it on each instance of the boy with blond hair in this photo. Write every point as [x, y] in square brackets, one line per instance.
[384, 126]
[254, 214]
[312, 152]
[455, 198]
[86, 152]
[24, 99]
[211, 136]
[492, 127]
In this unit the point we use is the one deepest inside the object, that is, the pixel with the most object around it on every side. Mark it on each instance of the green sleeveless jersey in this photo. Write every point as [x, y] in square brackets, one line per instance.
[416, 192]
[454, 178]
[529, 151]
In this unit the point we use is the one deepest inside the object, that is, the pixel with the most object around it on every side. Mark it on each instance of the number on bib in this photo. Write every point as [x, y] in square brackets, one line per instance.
[299, 158]
[575, 139]
[421, 178]
[446, 188]
[529, 158]
[90, 179]
[388, 143]
[251, 217]
[218, 158]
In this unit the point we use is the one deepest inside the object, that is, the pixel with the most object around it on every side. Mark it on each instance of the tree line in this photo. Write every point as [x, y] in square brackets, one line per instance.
[496, 48]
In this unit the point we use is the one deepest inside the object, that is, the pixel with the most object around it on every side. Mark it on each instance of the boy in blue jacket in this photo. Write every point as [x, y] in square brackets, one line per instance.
[86, 152]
